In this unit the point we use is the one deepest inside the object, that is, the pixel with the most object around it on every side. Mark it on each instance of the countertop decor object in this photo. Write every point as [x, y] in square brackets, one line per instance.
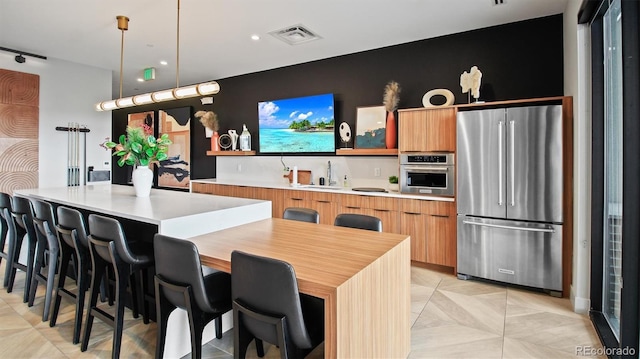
[393, 184]
[209, 120]
[390, 100]
[140, 149]
[448, 95]
[470, 83]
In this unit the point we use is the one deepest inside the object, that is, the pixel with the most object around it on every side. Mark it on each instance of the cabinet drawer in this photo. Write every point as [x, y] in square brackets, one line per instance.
[383, 203]
[322, 196]
[354, 201]
[411, 205]
[437, 208]
[297, 195]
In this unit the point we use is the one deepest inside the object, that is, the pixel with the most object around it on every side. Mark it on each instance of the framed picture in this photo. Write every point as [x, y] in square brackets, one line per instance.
[175, 172]
[142, 119]
[370, 127]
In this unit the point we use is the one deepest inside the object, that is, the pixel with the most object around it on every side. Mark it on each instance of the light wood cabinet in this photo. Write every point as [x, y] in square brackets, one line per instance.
[427, 130]
[432, 227]
[326, 204]
[431, 224]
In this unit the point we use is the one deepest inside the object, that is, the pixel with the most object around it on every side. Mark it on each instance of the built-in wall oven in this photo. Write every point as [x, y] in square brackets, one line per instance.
[427, 173]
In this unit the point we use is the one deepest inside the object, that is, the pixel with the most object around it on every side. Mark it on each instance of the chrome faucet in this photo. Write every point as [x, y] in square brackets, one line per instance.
[330, 182]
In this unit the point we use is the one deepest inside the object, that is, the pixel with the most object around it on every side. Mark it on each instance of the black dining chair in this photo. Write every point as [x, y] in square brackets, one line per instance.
[301, 214]
[360, 221]
[47, 251]
[74, 243]
[182, 282]
[22, 214]
[6, 236]
[109, 249]
[267, 306]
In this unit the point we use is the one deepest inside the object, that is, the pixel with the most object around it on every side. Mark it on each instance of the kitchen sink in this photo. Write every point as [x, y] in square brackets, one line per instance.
[328, 188]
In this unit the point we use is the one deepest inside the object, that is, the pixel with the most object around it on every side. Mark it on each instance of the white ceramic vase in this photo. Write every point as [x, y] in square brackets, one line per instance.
[142, 179]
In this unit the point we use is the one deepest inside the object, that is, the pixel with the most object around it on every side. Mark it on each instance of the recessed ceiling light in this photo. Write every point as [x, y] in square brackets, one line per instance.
[163, 63]
[140, 79]
[255, 37]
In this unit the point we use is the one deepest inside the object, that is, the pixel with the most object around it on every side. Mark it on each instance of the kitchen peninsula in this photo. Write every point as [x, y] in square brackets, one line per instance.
[172, 213]
[176, 214]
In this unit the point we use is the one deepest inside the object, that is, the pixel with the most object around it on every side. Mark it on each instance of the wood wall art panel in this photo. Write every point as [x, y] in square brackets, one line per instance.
[11, 181]
[18, 121]
[19, 124]
[19, 88]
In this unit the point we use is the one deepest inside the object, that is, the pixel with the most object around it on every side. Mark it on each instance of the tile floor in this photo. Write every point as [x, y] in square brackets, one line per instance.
[450, 318]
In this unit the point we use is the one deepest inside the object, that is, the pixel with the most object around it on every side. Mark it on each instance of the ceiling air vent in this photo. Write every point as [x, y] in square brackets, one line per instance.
[295, 34]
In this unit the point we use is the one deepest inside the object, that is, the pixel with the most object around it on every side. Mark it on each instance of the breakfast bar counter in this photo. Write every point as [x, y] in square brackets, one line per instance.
[177, 214]
[363, 276]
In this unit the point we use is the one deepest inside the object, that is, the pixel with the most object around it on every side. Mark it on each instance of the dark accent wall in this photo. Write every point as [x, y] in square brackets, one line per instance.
[518, 60]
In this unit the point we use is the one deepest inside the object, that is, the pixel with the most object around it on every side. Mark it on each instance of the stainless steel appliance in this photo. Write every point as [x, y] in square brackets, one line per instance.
[509, 195]
[427, 173]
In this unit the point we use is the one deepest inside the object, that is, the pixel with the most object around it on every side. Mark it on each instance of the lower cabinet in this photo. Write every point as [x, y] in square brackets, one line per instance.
[431, 224]
[432, 227]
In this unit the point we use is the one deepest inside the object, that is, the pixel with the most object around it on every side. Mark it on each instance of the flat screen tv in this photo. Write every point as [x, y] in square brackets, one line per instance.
[297, 125]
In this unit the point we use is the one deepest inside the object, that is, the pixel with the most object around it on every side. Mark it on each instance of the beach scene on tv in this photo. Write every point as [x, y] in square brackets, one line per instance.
[301, 124]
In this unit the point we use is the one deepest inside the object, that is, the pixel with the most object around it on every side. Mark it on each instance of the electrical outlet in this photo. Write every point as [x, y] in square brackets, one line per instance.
[106, 164]
[239, 167]
[376, 171]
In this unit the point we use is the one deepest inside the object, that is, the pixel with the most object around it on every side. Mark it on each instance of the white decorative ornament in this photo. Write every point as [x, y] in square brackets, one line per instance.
[345, 132]
[448, 95]
[470, 82]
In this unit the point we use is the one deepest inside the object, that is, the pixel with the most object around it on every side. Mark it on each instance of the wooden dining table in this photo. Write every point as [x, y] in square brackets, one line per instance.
[363, 276]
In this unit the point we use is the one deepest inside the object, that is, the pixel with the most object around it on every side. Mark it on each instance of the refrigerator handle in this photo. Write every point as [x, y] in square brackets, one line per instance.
[512, 136]
[527, 229]
[500, 162]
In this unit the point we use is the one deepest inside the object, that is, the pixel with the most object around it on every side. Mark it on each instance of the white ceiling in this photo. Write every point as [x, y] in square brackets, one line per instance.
[215, 34]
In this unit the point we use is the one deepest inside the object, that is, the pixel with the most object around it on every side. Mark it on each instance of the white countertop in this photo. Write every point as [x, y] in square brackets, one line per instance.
[339, 190]
[176, 213]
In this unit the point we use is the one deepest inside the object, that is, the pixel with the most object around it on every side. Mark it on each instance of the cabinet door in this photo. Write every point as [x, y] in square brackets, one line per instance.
[440, 218]
[441, 243]
[326, 204]
[414, 225]
[273, 195]
[389, 219]
[427, 130]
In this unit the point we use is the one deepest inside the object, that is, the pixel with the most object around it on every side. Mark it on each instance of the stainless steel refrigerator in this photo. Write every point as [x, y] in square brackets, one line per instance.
[509, 195]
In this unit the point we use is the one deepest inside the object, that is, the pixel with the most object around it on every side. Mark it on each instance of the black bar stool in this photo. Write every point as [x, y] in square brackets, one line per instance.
[72, 233]
[109, 248]
[182, 282]
[5, 235]
[301, 214]
[44, 220]
[360, 221]
[22, 214]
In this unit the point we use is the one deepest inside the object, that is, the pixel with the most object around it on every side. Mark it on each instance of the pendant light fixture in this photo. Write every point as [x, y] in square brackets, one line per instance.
[203, 89]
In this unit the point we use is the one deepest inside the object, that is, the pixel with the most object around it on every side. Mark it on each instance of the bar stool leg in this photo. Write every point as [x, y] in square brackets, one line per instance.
[98, 272]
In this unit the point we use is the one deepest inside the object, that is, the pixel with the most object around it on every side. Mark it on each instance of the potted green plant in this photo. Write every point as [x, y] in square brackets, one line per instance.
[140, 149]
[393, 184]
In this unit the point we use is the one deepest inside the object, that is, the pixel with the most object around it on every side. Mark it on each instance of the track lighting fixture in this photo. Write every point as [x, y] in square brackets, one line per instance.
[20, 55]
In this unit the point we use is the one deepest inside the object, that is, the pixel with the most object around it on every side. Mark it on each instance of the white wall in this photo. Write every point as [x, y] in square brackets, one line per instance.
[68, 92]
[577, 81]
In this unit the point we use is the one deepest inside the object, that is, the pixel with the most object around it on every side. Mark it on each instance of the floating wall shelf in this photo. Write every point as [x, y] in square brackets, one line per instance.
[231, 153]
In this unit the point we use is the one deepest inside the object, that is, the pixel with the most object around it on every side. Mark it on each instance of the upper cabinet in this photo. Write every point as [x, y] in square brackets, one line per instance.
[427, 130]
